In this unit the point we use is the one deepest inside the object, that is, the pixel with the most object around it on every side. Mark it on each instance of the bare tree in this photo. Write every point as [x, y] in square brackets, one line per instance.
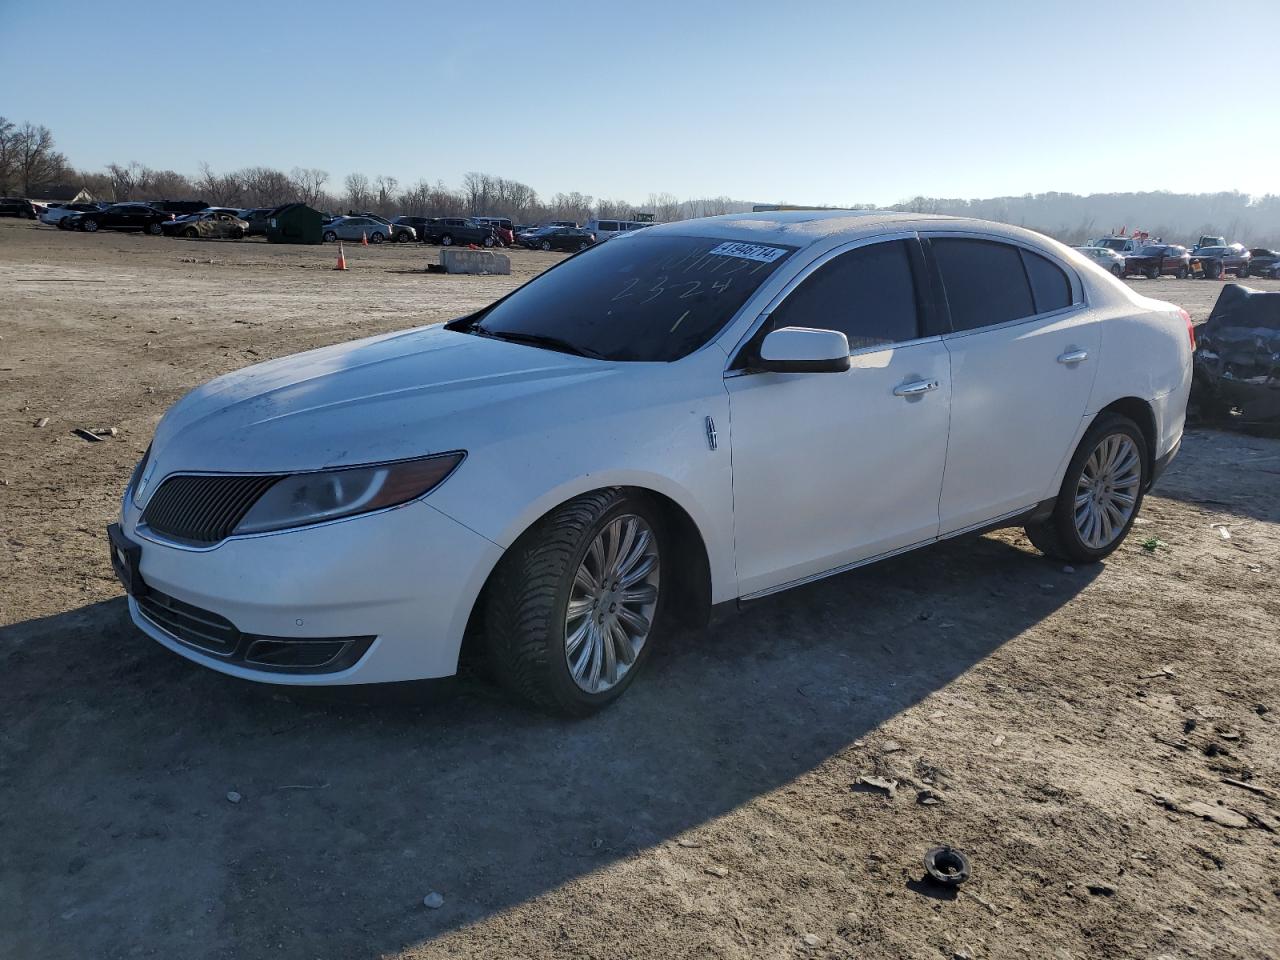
[37, 163]
[309, 184]
[8, 154]
[615, 210]
[664, 207]
[221, 190]
[385, 187]
[358, 191]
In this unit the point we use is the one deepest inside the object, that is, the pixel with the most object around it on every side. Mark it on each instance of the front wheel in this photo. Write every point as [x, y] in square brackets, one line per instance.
[190, 233]
[330, 236]
[154, 229]
[488, 241]
[1100, 495]
[546, 244]
[570, 613]
[1182, 273]
[90, 226]
[402, 237]
[376, 238]
[1242, 273]
[447, 240]
[1153, 273]
[1117, 270]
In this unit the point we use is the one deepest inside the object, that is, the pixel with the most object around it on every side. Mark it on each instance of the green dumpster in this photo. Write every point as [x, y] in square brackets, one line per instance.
[294, 223]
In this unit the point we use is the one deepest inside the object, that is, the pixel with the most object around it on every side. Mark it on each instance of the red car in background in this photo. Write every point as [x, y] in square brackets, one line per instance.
[1159, 259]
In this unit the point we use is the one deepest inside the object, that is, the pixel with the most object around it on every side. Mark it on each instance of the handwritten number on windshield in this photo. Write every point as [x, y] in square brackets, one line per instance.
[657, 290]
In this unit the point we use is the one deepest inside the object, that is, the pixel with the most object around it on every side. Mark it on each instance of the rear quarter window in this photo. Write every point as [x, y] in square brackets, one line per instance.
[1050, 287]
[985, 282]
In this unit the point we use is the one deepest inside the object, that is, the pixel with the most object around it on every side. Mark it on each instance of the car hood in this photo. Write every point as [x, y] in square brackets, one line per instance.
[401, 395]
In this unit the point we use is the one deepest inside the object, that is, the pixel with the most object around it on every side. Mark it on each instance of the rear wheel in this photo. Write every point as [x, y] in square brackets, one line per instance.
[237, 233]
[376, 237]
[1117, 270]
[571, 610]
[402, 237]
[1243, 272]
[1153, 273]
[89, 226]
[154, 229]
[191, 233]
[1100, 495]
[546, 244]
[1182, 273]
[488, 241]
[447, 240]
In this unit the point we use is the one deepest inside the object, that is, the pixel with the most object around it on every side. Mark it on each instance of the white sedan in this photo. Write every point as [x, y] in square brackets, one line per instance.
[711, 412]
[1106, 258]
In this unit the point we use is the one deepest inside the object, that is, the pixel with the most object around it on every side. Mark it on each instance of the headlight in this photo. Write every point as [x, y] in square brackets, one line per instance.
[307, 498]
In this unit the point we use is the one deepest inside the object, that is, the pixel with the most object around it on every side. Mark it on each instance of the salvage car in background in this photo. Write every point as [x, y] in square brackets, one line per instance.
[1159, 259]
[355, 228]
[1108, 259]
[563, 490]
[1216, 261]
[1237, 361]
[121, 216]
[209, 224]
[451, 231]
[1264, 262]
[17, 207]
[558, 238]
[59, 212]
[257, 219]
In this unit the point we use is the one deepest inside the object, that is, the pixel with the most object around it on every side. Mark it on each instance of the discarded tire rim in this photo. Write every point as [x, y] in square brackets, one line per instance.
[947, 866]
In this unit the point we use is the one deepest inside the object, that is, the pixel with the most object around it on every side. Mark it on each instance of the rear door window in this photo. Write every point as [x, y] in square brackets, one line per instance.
[985, 282]
[868, 294]
[1049, 284]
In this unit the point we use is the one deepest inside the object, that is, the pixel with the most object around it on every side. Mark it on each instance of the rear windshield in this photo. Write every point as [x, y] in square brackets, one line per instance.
[652, 298]
[1113, 244]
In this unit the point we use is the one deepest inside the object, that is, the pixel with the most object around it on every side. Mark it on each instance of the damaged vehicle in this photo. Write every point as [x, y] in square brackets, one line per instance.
[1237, 362]
[703, 414]
[208, 224]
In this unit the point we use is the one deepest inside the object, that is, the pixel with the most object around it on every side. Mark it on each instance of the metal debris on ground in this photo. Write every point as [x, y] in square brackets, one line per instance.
[42, 422]
[946, 865]
[889, 787]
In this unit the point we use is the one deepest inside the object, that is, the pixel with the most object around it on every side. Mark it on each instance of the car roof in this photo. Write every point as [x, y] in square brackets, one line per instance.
[801, 228]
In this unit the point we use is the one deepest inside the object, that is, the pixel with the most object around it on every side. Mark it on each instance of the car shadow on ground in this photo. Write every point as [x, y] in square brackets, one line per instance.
[1252, 460]
[118, 757]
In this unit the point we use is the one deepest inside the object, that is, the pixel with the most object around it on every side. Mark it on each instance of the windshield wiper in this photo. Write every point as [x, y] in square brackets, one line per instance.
[538, 340]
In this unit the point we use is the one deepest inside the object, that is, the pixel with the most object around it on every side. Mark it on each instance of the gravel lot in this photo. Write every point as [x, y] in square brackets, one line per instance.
[1079, 727]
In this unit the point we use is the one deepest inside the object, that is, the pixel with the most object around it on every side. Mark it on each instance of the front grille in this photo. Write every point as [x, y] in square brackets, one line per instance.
[204, 509]
[212, 633]
[190, 624]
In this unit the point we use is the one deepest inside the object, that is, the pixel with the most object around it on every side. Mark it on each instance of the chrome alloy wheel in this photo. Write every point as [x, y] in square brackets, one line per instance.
[1107, 491]
[611, 604]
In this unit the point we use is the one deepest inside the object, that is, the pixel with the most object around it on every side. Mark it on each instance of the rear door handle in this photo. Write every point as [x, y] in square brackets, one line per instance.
[1073, 357]
[915, 388]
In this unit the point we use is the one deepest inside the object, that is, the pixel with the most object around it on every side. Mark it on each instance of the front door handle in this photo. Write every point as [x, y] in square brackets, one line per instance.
[1073, 357]
[915, 388]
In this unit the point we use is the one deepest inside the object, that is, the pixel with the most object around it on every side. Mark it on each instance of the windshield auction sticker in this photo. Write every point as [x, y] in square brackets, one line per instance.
[749, 251]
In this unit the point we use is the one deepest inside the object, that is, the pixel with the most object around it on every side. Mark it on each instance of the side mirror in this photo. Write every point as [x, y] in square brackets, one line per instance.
[804, 350]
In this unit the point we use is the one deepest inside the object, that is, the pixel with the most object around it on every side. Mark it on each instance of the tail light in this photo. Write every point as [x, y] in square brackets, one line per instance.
[1191, 330]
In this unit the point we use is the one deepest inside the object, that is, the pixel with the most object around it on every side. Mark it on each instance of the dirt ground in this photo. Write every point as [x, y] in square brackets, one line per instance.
[1102, 742]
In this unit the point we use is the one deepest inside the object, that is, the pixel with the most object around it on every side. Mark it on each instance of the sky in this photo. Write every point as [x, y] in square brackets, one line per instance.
[784, 101]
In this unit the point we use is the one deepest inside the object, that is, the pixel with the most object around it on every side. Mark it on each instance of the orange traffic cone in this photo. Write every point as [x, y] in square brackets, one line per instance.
[342, 259]
[364, 239]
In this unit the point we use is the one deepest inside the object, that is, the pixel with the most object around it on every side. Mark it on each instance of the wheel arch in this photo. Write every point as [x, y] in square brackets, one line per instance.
[691, 598]
[1141, 413]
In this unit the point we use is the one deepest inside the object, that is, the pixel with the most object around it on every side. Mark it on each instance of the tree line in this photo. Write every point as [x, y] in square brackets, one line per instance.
[30, 163]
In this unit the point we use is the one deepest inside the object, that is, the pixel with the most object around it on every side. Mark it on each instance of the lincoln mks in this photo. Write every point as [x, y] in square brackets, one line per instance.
[700, 415]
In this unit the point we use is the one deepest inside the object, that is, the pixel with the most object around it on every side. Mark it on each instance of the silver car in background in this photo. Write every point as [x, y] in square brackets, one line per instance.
[1106, 258]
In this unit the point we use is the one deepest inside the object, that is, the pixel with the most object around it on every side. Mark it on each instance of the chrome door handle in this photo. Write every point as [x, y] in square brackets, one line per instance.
[1074, 356]
[915, 388]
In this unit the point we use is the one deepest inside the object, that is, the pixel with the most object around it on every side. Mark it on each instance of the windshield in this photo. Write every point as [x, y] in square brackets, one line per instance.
[1113, 243]
[1150, 251]
[654, 298]
[1213, 251]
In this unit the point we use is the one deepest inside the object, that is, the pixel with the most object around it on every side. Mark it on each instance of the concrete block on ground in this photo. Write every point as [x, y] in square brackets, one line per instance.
[475, 261]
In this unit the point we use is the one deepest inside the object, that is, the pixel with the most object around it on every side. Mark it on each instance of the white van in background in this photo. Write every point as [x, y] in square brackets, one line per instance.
[604, 229]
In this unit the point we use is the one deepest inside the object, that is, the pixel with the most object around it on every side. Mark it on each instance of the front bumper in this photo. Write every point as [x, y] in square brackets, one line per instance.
[396, 588]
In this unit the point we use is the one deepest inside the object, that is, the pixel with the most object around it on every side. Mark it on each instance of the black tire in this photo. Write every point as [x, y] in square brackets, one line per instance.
[1182, 273]
[191, 233]
[1153, 273]
[583, 245]
[447, 240]
[330, 236]
[1243, 273]
[89, 226]
[546, 244]
[1057, 536]
[155, 229]
[1117, 270]
[488, 241]
[402, 237]
[237, 233]
[376, 237]
[526, 600]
